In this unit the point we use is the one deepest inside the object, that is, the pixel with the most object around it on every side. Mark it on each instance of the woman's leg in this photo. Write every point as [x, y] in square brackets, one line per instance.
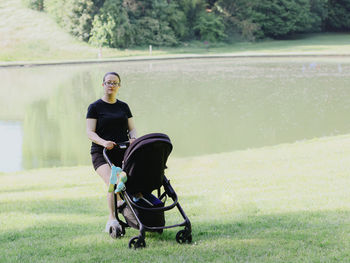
[104, 171]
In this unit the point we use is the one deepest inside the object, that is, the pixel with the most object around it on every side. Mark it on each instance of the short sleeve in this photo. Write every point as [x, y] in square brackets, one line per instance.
[127, 110]
[91, 112]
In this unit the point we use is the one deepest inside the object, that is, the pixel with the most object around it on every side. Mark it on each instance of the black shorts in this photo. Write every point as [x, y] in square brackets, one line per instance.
[115, 156]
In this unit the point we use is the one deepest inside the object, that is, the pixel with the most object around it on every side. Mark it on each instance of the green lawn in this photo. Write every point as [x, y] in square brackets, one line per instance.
[287, 203]
[28, 35]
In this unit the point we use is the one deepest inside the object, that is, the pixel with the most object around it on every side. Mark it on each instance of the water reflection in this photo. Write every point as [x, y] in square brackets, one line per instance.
[205, 106]
[54, 131]
[11, 146]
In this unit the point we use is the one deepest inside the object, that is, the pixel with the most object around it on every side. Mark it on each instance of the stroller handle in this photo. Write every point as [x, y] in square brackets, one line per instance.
[120, 145]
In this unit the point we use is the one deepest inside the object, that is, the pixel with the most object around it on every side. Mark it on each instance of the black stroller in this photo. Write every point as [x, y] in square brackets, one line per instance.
[144, 163]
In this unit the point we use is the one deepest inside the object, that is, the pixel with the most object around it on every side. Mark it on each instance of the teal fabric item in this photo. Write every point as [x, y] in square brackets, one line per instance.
[123, 177]
[114, 172]
[120, 187]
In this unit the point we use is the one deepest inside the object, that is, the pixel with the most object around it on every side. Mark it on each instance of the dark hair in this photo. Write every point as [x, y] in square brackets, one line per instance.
[111, 73]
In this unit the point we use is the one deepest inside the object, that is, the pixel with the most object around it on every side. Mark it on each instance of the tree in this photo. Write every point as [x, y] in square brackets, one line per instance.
[80, 14]
[157, 22]
[318, 14]
[170, 13]
[238, 17]
[272, 18]
[210, 27]
[192, 10]
[151, 31]
[111, 26]
[74, 15]
[338, 18]
[279, 18]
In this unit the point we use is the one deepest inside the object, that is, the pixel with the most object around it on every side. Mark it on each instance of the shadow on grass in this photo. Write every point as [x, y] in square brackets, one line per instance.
[291, 237]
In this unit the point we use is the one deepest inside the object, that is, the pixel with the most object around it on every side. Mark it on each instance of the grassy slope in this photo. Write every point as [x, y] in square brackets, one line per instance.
[27, 35]
[287, 203]
[30, 35]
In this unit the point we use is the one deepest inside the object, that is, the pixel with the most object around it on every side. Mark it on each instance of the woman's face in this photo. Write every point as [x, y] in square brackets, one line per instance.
[111, 85]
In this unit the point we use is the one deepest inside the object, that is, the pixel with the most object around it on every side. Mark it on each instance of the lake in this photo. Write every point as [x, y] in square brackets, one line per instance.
[206, 106]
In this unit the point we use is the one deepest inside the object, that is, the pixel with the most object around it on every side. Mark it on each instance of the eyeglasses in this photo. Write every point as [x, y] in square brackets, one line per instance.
[112, 83]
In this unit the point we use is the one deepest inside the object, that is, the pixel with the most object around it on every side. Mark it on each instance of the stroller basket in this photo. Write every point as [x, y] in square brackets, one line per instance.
[147, 217]
[144, 163]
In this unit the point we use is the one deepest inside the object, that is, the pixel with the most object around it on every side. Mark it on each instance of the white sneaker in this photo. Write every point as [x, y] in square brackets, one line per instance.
[109, 223]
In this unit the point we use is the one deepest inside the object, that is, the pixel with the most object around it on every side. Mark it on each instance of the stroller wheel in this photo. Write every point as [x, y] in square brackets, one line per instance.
[137, 242]
[183, 236]
[115, 231]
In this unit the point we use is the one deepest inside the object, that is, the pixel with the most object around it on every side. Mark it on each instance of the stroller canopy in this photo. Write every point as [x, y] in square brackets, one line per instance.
[145, 161]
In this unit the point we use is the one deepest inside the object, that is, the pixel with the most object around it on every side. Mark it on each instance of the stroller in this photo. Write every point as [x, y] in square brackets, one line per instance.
[144, 163]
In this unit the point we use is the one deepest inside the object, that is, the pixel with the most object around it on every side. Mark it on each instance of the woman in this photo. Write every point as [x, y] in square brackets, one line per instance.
[109, 121]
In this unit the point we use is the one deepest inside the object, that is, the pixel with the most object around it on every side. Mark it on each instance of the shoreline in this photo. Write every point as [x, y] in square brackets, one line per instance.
[296, 146]
[15, 64]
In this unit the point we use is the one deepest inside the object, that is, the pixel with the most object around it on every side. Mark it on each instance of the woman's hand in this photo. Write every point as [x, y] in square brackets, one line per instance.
[109, 145]
[132, 140]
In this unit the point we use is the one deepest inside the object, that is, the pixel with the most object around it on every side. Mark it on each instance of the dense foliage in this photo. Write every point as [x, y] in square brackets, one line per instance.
[126, 23]
[338, 18]
[111, 26]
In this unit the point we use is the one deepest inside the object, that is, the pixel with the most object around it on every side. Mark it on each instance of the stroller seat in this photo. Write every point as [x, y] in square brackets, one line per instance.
[145, 161]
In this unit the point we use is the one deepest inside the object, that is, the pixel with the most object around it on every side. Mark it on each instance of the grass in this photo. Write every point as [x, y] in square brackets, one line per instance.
[287, 203]
[28, 35]
[323, 43]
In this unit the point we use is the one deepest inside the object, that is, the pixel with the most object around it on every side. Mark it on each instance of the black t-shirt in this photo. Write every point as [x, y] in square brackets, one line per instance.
[112, 121]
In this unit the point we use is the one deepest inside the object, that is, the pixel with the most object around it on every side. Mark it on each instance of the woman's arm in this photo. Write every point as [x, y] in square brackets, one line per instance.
[92, 135]
[132, 130]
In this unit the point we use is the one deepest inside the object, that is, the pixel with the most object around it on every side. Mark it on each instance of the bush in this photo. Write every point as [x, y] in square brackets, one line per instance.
[56, 9]
[34, 4]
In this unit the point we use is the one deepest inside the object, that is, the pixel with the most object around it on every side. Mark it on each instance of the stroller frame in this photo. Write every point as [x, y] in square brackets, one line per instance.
[182, 236]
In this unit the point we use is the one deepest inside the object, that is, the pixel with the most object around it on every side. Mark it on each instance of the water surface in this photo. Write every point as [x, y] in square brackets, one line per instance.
[204, 105]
